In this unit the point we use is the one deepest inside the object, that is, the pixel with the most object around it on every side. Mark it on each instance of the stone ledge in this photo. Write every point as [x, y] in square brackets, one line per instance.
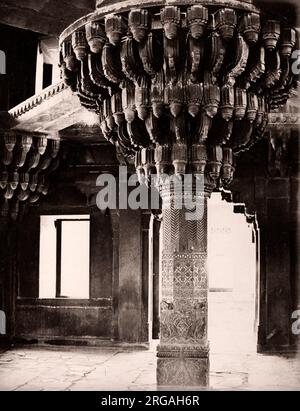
[51, 111]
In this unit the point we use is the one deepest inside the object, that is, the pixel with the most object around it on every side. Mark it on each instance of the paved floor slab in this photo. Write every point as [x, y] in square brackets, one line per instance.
[98, 369]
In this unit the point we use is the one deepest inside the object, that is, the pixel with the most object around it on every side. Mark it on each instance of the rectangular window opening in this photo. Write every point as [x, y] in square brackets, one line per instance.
[47, 75]
[65, 257]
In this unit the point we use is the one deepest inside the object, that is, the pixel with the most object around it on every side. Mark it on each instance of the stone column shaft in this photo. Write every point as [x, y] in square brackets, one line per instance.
[183, 350]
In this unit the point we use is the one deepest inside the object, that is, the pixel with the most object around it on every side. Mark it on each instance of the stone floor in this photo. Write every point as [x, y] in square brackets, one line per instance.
[95, 369]
[234, 362]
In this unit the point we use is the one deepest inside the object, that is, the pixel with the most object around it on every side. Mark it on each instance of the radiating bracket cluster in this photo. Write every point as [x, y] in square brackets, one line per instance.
[26, 164]
[181, 88]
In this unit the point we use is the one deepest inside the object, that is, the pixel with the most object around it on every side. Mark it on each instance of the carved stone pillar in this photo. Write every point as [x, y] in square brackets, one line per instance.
[183, 350]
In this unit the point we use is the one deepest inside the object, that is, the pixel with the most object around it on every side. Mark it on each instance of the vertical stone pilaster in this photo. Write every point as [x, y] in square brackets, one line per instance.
[295, 227]
[130, 277]
[156, 277]
[183, 350]
[115, 222]
[278, 265]
[146, 217]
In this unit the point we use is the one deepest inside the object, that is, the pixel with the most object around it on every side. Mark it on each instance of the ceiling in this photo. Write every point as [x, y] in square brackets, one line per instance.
[49, 17]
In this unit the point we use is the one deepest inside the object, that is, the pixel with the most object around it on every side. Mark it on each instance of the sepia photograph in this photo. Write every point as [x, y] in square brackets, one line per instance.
[149, 198]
